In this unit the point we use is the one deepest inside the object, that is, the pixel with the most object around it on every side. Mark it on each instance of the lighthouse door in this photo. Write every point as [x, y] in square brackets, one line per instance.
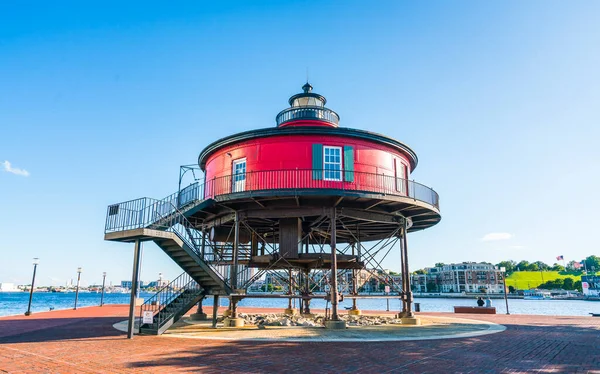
[239, 175]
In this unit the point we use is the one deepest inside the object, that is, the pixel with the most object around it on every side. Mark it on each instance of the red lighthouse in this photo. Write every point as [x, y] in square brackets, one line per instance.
[307, 197]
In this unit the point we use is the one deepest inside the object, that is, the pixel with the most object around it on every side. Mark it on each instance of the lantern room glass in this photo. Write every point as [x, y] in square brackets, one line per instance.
[307, 101]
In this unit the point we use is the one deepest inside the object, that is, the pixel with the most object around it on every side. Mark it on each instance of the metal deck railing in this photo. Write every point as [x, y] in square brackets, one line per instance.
[144, 212]
[309, 113]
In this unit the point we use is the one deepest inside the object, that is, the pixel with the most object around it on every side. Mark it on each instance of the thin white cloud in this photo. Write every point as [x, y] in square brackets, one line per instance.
[495, 236]
[9, 169]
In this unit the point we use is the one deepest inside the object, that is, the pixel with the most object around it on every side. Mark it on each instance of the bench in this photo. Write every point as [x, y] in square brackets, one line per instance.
[475, 309]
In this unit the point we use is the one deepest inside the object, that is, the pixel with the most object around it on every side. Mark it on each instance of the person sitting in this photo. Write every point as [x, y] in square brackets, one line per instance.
[488, 302]
[480, 301]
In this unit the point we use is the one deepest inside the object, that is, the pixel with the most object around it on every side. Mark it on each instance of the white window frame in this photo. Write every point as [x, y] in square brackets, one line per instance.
[401, 183]
[325, 163]
[238, 185]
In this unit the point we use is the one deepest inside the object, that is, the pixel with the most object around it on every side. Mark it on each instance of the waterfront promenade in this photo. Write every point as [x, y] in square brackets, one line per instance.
[84, 341]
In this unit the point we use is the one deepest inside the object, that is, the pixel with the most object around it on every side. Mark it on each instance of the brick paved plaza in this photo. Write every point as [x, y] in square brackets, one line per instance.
[84, 341]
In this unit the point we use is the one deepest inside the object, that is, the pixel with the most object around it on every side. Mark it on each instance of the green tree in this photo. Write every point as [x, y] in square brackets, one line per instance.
[533, 267]
[553, 284]
[511, 289]
[592, 261]
[420, 271]
[432, 287]
[542, 265]
[568, 284]
[510, 266]
[439, 264]
[557, 267]
[523, 265]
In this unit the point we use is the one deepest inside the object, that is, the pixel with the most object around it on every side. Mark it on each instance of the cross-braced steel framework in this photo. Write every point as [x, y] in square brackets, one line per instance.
[334, 239]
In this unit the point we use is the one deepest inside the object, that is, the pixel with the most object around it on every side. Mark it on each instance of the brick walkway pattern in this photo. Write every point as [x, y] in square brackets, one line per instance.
[83, 341]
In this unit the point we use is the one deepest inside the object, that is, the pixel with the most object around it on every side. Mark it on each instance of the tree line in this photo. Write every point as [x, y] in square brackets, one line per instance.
[591, 263]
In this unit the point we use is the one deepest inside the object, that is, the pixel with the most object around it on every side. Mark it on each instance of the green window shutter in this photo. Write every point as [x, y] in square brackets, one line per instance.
[348, 163]
[317, 161]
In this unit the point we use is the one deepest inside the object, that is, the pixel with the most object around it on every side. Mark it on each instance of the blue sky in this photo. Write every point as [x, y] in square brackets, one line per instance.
[102, 103]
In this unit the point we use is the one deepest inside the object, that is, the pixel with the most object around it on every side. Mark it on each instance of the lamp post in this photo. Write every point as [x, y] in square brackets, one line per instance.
[103, 283]
[77, 289]
[503, 270]
[35, 264]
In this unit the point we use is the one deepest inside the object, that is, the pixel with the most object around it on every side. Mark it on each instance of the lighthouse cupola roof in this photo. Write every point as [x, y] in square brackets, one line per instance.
[307, 109]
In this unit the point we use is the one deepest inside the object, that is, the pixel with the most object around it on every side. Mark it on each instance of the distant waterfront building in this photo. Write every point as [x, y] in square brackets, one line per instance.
[127, 284]
[419, 283]
[157, 284]
[463, 277]
[8, 287]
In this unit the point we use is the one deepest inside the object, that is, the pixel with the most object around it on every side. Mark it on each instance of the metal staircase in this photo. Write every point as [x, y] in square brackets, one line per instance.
[170, 303]
[206, 264]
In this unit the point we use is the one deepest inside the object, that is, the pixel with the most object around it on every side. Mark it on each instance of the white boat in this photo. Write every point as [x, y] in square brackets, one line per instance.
[537, 295]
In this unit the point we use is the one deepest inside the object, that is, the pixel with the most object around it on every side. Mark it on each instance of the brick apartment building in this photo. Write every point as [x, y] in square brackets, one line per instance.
[463, 277]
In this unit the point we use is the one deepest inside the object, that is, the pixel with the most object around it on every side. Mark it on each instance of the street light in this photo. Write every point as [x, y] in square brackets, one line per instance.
[36, 261]
[503, 270]
[79, 270]
[103, 282]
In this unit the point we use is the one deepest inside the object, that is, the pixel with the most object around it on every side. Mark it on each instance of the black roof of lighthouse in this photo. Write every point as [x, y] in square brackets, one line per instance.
[307, 88]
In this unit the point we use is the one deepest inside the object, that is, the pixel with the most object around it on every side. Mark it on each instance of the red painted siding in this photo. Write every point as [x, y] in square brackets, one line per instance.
[307, 122]
[295, 152]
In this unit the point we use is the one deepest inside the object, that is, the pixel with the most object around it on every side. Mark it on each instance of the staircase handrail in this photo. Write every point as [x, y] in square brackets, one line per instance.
[157, 303]
[175, 218]
[136, 213]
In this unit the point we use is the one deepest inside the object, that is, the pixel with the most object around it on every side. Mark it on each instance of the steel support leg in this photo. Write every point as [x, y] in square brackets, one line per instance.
[290, 289]
[354, 275]
[215, 310]
[403, 271]
[200, 311]
[334, 290]
[236, 241]
[306, 292]
[354, 281]
[408, 290]
[234, 302]
[134, 288]
[409, 295]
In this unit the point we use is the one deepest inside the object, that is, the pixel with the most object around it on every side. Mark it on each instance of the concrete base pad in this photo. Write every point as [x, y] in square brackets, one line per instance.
[354, 312]
[233, 322]
[335, 325]
[411, 321]
[431, 328]
[290, 312]
[199, 317]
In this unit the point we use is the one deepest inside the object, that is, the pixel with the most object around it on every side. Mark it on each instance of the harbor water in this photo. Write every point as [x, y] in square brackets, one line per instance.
[15, 303]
